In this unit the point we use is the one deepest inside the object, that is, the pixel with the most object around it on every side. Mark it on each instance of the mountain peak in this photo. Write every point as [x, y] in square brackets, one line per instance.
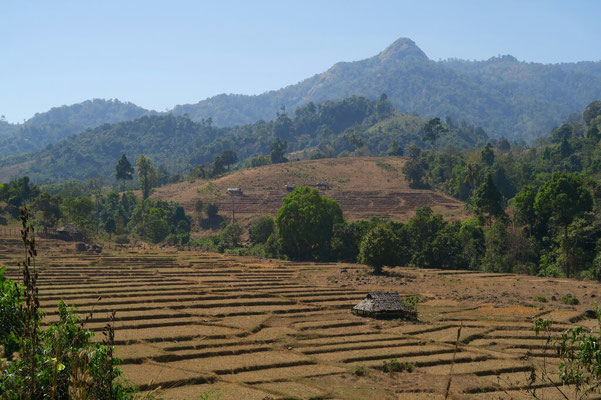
[400, 49]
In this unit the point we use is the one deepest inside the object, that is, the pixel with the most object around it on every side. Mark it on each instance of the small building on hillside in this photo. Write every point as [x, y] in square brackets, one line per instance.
[69, 233]
[387, 305]
[323, 185]
[236, 191]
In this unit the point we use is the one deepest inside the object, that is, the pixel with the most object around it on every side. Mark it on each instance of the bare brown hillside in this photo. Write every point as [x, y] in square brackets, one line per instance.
[365, 187]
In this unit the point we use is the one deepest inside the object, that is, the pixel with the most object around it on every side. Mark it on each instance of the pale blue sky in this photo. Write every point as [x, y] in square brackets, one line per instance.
[161, 53]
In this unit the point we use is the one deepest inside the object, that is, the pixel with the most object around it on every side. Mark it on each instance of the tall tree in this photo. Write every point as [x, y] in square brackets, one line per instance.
[562, 199]
[147, 175]
[488, 155]
[229, 157]
[277, 151]
[305, 223]
[123, 169]
[488, 200]
[432, 130]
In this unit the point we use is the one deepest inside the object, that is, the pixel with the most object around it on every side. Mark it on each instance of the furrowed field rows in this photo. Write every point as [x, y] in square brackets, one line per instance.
[188, 321]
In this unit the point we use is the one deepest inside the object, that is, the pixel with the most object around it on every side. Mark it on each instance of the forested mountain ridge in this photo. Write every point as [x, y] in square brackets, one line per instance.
[353, 126]
[506, 97]
[59, 122]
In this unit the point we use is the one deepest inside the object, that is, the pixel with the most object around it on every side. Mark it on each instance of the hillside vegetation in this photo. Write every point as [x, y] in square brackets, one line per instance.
[354, 126]
[364, 187]
[60, 122]
[503, 95]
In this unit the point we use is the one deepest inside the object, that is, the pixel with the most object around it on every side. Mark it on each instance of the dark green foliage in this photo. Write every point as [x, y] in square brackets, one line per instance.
[488, 156]
[570, 300]
[124, 169]
[154, 220]
[229, 157]
[305, 223]
[211, 209]
[60, 122]
[346, 239]
[260, 229]
[11, 315]
[48, 208]
[488, 200]
[592, 111]
[324, 129]
[18, 192]
[277, 151]
[147, 175]
[379, 248]
[231, 236]
[396, 366]
[432, 130]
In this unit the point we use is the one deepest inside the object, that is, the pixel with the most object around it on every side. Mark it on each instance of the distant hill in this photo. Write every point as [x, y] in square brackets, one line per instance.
[364, 186]
[506, 97]
[351, 127]
[60, 122]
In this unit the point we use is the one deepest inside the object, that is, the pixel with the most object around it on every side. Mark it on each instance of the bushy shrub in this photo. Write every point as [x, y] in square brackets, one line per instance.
[260, 229]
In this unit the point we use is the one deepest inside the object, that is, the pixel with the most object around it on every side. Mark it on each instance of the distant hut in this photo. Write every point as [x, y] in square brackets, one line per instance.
[323, 185]
[384, 305]
[235, 191]
[69, 233]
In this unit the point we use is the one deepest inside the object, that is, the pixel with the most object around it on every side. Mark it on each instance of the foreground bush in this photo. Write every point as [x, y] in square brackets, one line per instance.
[61, 362]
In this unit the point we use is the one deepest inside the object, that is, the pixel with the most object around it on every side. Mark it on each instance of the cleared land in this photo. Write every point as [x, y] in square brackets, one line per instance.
[190, 323]
[364, 187]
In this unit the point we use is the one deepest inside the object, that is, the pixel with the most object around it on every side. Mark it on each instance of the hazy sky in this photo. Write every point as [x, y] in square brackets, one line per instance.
[161, 53]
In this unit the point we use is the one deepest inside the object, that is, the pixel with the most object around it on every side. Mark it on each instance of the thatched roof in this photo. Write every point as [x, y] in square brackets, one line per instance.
[68, 228]
[387, 304]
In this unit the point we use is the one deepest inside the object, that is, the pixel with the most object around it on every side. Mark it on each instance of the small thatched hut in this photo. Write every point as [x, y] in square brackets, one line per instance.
[69, 233]
[384, 305]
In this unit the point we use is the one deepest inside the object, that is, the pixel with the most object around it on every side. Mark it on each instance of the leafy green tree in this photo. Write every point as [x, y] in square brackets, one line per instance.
[488, 200]
[147, 174]
[78, 210]
[124, 170]
[592, 111]
[49, 208]
[198, 208]
[260, 229]
[414, 171]
[394, 149]
[305, 222]
[231, 236]
[229, 157]
[277, 151]
[432, 130]
[218, 166]
[422, 230]
[488, 155]
[346, 239]
[212, 209]
[472, 239]
[379, 248]
[110, 226]
[562, 199]
[12, 315]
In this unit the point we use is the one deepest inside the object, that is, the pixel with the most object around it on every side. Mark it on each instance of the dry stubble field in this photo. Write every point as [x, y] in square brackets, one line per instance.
[242, 328]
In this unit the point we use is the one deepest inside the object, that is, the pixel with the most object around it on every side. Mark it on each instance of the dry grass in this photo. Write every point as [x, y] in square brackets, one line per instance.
[245, 328]
[365, 187]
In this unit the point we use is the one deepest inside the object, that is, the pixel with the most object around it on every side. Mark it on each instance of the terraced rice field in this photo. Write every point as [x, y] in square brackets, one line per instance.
[190, 323]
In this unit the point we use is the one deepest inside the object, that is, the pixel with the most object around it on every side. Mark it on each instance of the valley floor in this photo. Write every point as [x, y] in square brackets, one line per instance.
[190, 323]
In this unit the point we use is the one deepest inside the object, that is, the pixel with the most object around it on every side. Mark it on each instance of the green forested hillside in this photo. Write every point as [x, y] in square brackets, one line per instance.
[355, 125]
[503, 95]
[60, 122]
